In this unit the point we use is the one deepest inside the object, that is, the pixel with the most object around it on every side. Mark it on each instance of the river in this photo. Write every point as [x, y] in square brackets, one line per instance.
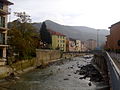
[58, 76]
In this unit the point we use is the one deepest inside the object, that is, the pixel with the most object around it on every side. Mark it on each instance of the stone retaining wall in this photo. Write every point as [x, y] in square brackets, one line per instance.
[43, 57]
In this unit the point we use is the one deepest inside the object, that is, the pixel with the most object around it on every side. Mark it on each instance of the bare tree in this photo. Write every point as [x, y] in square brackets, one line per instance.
[23, 17]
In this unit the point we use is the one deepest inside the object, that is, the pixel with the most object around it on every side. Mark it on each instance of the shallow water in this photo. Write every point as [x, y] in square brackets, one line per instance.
[56, 77]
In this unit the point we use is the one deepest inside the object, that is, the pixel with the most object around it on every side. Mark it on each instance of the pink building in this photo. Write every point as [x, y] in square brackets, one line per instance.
[71, 45]
[91, 44]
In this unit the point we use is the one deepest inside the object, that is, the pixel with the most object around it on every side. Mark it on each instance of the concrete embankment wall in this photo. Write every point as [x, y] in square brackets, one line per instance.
[114, 72]
[21, 65]
[43, 57]
[4, 71]
[17, 67]
[99, 61]
[108, 68]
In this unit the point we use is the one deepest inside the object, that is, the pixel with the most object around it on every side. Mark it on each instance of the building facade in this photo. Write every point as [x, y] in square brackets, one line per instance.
[71, 47]
[91, 44]
[78, 45]
[58, 41]
[113, 40]
[84, 46]
[3, 29]
[74, 45]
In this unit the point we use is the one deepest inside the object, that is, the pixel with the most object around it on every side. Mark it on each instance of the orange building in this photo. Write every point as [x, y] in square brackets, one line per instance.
[113, 40]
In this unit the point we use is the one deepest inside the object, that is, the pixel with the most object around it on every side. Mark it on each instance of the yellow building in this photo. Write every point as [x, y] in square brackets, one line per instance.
[3, 29]
[58, 41]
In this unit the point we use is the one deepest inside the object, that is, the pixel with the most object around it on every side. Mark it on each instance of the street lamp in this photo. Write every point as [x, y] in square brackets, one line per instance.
[98, 38]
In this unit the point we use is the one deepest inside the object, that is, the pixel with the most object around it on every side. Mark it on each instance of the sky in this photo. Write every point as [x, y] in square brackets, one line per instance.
[98, 14]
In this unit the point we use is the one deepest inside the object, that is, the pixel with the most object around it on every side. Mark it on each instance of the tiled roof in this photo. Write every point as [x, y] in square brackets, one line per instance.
[55, 33]
[115, 24]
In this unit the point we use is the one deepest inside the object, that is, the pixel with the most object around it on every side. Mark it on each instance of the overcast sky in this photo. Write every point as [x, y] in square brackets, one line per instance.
[99, 14]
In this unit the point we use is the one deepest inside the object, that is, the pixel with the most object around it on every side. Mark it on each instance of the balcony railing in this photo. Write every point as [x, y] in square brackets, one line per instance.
[2, 39]
[2, 10]
[2, 25]
[1, 5]
[2, 21]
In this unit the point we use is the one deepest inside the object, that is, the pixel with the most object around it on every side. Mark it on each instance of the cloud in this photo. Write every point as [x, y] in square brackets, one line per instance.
[93, 13]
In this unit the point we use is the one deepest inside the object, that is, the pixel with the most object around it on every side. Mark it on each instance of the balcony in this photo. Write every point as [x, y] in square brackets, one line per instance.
[3, 12]
[2, 40]
[2, 24]
[3, 45]
[3, 28]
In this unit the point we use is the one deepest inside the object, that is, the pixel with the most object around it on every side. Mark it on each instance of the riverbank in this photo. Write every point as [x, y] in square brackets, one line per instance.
[59, 75]
[43, 58]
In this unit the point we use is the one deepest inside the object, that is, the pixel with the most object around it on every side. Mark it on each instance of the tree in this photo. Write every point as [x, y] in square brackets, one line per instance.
[22, 17]
[23, 37]
[45, 34]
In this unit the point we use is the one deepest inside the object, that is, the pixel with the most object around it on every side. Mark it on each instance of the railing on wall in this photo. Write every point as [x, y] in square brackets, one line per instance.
[114, 72]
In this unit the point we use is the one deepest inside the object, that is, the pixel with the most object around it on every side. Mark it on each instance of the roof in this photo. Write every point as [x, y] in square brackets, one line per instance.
[114, 24]
[56, 33]
[6, 2]
[71, 39]
[91, 40]
[107, 36]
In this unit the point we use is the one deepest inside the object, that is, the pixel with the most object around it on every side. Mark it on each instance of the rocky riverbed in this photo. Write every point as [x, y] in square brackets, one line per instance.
[69, 74]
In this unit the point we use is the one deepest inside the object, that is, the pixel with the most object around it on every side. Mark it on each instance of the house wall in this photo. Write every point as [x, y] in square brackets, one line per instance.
[59, 42]
[112, 39]
[78, 45]
[3, 30]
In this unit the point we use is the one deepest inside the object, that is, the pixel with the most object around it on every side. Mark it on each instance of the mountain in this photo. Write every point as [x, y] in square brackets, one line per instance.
[76, 32]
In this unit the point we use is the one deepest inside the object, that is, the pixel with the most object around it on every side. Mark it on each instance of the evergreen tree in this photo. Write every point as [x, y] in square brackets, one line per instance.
[45, 34]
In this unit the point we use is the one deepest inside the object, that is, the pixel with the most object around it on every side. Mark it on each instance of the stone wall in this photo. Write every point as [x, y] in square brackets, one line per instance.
[18, 67]
[45, 56]
[21, 65]
[5, 71]
[100, 63]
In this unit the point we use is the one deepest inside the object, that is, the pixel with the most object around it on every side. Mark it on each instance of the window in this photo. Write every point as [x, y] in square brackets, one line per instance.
[118, 42]
[2, 38]
[60, 45]
[1, 52]
[1, 5]
[2, 21]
